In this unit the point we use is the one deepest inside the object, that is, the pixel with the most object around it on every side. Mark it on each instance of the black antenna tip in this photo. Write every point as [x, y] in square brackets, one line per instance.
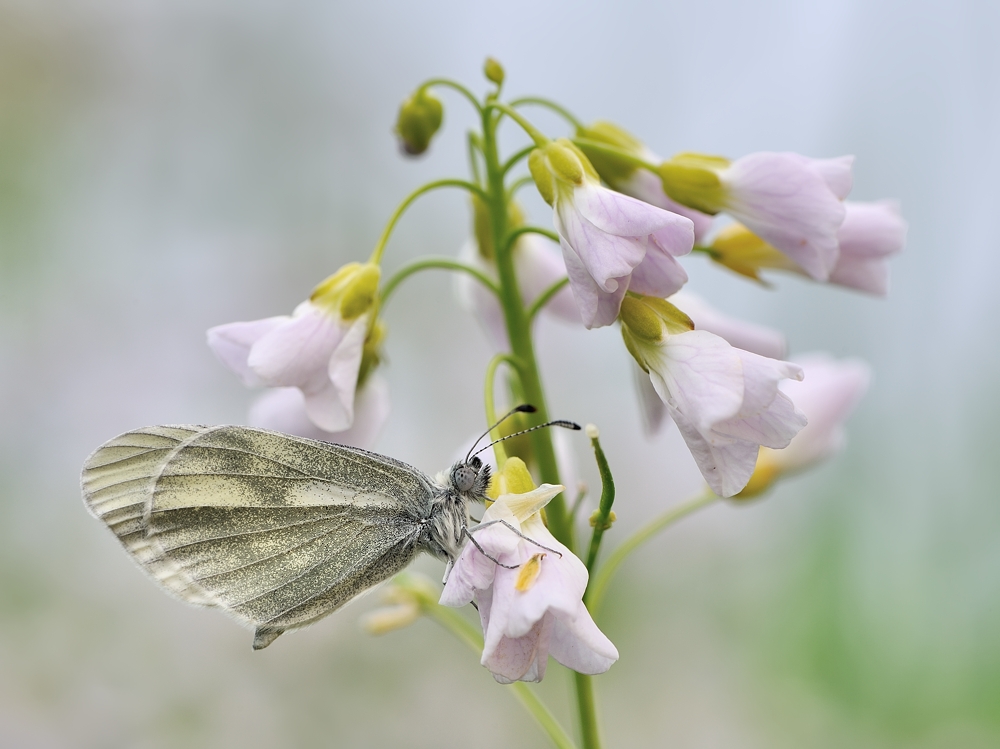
[567, 425]
[525, 408]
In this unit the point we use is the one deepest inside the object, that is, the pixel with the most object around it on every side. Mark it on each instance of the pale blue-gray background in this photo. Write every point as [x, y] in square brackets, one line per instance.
[168, 166]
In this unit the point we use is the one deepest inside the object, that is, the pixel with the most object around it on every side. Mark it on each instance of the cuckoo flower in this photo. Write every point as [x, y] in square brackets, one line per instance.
[741, 334]
[611, 243]
[528, 588]
[791, 201]
[725, 401]
[827, 396]
[318, 349]
[870, 234]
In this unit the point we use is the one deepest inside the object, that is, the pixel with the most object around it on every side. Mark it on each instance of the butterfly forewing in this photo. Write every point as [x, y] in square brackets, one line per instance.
[276, 530]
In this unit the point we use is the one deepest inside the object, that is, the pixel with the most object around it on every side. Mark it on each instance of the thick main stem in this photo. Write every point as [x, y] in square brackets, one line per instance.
[519, 329]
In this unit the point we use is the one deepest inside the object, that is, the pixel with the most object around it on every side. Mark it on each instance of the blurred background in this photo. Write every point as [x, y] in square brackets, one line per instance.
[169, 166]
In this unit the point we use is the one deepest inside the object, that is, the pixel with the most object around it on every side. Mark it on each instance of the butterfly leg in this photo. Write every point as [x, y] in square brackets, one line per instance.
[529, 539]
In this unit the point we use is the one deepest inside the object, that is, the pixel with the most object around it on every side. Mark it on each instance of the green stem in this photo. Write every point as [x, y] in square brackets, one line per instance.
[546, 297]
[465, 631]
[380, 246]
[475, 150]
[548, 104]
[710, 251]
[602, 520]
[614, 151]
[519, 325]
[518, 184]
[491, 412]
[599, 583]
[445, 263]
[533, 132]
[515, 233]
[455, 85]
[588, 711]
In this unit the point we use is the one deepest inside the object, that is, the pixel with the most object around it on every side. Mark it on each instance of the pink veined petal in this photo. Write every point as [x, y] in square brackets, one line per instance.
[646, 186]
[329, 400]
[232, 343]
[726, 463]
[651, 407]
[836, 173]
[297, 352]
[558, 588]
[700, 375]
[871, 232]
[658, 275]
[597, 307]
[606, 257]
[521, 658]
[738, 333]
[577, 643]
[620, 215]
[789, 204]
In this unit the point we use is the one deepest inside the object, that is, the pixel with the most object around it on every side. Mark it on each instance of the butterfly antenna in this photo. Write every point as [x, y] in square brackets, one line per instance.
[558, 423]
[524, 408]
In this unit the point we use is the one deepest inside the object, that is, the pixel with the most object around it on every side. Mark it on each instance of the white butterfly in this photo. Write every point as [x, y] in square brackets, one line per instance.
[275, 530]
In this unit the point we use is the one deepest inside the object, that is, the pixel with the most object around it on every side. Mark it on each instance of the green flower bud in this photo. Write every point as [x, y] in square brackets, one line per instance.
[493, 71]
[558, 165]
[611, 168]
[646, 321]
[692, 179]
[539, 168]
[350, 292]
[420, 117]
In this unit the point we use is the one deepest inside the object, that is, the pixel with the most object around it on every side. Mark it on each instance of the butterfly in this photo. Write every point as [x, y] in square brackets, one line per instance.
[275, 530]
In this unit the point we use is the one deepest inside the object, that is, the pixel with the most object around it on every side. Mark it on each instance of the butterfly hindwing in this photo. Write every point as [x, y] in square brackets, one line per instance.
[278, 531]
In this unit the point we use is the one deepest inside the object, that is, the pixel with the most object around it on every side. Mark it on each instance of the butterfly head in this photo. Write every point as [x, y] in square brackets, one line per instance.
[471, 478]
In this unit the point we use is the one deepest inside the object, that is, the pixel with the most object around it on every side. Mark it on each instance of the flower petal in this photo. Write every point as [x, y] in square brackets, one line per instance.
[738, 333]
[297, 352]
[577, 643]
[726, 463]
[597, 307]
[232, 343]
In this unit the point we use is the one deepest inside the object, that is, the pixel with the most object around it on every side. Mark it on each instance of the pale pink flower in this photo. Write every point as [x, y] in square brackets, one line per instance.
[611, 243]
[644, 185]
[725, 401]
[536, 609]
[870, 234]
[793, 202]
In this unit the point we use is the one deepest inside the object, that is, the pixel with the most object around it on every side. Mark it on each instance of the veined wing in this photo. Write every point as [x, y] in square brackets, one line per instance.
[276, 530]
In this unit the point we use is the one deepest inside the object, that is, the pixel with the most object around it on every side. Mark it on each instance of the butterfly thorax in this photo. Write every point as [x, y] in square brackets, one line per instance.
[448, 521]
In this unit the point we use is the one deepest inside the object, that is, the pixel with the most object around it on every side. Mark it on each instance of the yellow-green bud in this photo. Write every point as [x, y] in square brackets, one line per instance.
[692, 179]
[493, 70]
[350, 292]
[646, 321]
[513, 478]
[482, 228]
[611, 168]
[743, 252]
[558, 165]
[606, 525]
[420, 117]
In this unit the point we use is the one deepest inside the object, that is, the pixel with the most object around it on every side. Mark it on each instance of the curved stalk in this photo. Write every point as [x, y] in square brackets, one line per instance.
[456, 86]
[377, 253]
[513, 160]
[533, 132]
[551, 105]
[618, 153]
[546, 297]
[599, 583]
[443, 263]
[515, 233]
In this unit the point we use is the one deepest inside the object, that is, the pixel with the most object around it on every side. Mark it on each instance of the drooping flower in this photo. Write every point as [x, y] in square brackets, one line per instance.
[528, 588]
[611, 243]
[624, 176]
[870, 235]
[537, 264]
[725, 401]
[318, 349]
[827, 396]
[792, 201]
[741, 334]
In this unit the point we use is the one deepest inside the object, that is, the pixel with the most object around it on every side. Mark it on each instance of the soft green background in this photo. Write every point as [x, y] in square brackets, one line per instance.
[168, 166]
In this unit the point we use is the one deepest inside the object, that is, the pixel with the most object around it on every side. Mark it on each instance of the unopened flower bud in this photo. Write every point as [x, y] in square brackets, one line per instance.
[493, 70]
[559, 166]
[612, 169]
[692, 179]
[350, 292]
[420, 117]
[513, 478]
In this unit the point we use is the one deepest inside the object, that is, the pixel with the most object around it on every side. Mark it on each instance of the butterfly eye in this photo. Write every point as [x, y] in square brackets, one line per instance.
[464, 477]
